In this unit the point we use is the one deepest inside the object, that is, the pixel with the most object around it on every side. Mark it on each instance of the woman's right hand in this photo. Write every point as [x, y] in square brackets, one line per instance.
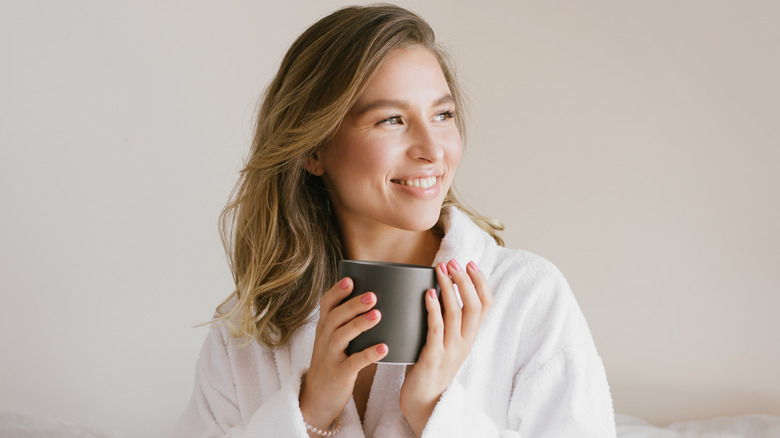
[328, 385]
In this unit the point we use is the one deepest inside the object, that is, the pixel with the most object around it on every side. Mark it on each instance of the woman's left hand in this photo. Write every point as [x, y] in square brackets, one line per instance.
[450, 336]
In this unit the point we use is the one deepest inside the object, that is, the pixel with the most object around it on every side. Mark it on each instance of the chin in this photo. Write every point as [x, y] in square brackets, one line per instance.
[420, 220]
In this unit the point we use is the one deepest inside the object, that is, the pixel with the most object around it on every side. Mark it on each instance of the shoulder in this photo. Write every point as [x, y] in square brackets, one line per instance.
[224, 347]
[526, 268]
[534, 305]
[527, 284]
[222, 350]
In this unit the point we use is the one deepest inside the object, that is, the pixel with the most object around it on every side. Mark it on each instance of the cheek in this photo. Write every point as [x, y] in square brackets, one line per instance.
[372, 158]
[375, 156]
[356, 165]
[454, 149]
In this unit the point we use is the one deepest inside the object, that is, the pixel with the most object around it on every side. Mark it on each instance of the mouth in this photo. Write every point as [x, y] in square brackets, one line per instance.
[423, 183]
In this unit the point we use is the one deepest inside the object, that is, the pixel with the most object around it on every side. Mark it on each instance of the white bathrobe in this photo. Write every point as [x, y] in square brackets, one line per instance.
[533, 370]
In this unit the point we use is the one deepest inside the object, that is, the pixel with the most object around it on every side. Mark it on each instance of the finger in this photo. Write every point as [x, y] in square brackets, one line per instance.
[356, 362]
[346, 333]
[348, 310]
[452, 314]
[472, 307]
[330, 299]
[335, 295]
[435, 336]
[481, 286]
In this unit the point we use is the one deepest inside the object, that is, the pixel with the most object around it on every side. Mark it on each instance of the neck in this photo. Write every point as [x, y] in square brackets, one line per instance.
[392, 245]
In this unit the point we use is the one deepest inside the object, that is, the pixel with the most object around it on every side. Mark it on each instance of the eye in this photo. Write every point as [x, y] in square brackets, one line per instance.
[394, 120]
[443, 117]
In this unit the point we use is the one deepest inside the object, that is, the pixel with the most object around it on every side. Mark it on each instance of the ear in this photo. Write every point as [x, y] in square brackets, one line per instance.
[314, 166]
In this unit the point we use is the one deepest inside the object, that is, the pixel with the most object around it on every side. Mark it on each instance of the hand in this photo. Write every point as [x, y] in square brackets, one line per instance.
[327, 386]
[449, 340]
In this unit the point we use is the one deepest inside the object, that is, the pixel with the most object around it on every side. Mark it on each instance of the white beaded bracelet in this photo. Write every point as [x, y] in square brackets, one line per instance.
[332, 431]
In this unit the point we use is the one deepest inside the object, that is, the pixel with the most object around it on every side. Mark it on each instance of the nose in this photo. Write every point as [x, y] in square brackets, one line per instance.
[426, 143]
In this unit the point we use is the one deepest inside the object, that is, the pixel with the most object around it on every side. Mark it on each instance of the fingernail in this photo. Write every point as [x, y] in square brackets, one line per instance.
[372, 315]
[381, 349]
[367, 298]
[473, 266]
[454, 265]
[443, 268]
[432, 293]
[344, 283]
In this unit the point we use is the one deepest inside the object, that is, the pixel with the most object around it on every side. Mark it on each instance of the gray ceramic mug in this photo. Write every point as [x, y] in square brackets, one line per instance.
[400, 291]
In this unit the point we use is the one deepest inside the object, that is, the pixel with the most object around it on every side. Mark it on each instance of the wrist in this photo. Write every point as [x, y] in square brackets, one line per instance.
[317, 418]
[332, 430]
[418, 414]
[314, 414]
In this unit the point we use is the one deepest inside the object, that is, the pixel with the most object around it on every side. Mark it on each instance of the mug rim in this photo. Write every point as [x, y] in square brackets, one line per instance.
[385, 264]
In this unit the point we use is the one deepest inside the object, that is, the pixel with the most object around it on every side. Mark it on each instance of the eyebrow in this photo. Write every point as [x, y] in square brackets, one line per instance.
[394, 103]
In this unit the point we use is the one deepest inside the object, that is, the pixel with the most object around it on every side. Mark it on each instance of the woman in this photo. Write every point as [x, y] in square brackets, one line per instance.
[357, 144]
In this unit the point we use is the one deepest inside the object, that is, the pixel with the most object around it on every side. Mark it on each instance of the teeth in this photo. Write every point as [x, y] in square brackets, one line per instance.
[423, 183]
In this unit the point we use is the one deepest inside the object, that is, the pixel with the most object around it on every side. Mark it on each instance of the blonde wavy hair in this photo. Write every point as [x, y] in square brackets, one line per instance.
[281, 240]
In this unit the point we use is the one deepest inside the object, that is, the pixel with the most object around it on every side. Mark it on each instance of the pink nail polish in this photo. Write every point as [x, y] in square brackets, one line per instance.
[432, 293]
[454, 265]
[473, 265]
[344, 283]
[367, 298]
[372, 315]
[382, 349]
[443, 268]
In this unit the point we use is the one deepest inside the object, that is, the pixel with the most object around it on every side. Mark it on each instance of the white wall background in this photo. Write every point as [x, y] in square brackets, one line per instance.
[635, 144]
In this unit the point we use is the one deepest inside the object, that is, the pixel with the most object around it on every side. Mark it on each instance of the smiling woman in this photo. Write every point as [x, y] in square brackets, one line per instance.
[354, 156]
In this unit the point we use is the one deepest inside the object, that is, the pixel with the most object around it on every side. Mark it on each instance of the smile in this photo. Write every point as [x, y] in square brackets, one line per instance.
[423, 183]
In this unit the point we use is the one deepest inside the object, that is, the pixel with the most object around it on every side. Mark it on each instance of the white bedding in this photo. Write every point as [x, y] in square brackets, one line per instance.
[14, 425]
[743, 426]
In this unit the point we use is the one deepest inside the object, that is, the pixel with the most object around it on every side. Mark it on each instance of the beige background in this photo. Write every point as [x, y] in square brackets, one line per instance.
[635, 144]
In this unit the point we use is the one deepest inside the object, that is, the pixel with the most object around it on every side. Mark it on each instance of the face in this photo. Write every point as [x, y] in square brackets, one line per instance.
[394, 156]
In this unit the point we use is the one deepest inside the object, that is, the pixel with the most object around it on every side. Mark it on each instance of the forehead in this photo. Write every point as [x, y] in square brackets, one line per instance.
[409, 70]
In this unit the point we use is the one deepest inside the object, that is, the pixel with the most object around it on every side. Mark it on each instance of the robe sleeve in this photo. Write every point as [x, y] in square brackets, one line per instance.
[567, 396]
